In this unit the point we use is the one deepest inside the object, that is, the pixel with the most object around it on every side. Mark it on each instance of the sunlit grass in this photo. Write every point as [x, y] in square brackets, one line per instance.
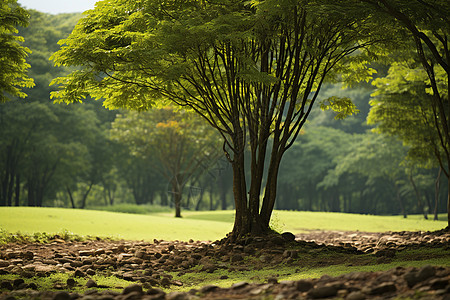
[205, 225]
[298, 221]
[108, 224]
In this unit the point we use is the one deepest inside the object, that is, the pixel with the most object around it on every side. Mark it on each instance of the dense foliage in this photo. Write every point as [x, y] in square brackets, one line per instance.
[13, 66]
[83, 155]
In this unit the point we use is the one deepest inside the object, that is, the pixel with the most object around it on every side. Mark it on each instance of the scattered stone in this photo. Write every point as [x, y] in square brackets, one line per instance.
[91, 283]
[149, 264]
[236, 258]
[133, 288]
[383, 288]
[304, 285]
[355, 296]
[239, 285]
[79, 273]
[208, 288]
[62, 296]
[177, 296]
[288, 236]
[71, 282]
[6, 285]
[17, 282]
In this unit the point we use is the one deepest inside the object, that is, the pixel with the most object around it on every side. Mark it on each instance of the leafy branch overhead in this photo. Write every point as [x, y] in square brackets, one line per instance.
[343, 107]
[13, 65]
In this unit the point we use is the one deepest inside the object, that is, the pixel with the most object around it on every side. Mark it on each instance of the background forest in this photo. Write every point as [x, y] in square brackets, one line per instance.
[85, 156]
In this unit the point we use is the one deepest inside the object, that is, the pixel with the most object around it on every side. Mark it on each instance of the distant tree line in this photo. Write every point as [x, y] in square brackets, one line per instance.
[84, 155]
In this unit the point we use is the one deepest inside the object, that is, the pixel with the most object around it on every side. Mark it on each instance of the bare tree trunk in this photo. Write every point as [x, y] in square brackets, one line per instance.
[70, 197]
[83, 200]
[176, 194]
[419, 201]
[436, 193]
[400, 201]
[17, 192]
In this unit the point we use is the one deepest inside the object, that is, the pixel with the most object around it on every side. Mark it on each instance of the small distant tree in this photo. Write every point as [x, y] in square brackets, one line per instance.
[13, 66]
[179, 145]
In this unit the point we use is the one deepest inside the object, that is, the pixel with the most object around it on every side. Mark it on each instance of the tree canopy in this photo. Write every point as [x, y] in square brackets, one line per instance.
[253, 70]
[13, 65]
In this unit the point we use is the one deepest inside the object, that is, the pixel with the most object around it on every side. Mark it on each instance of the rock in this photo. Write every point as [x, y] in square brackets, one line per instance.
[389, 253]
[91, 283]
[99, 252]
[79, 273]
[155, 291]
[303, 285]
[132, 296]
[12, 254]
[71, 282]
[86, 252]
[288, 236]
[425, 273]
[17, 282]
[272, 280]
[62, 296]
[4, 263]
[208, 288]
[27, 255]
[6, 285]
[383, 288]
[132, 288]
[33, 286]
[177, 296]
[278, 240]
[355, 296]
[90, 272]
[165, 282]
[239, 285]
[439, 283]
[411, 278]
[236, 258]
[323, 292]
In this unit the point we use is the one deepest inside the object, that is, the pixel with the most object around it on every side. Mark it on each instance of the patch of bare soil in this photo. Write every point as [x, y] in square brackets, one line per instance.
[147, 266]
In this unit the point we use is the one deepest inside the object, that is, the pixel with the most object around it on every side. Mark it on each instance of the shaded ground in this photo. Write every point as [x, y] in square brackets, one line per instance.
[145, 269]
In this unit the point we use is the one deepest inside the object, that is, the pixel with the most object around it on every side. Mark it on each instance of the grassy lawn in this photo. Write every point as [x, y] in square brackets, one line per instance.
[298, 221]
[205, 225]
[30, 220]
[214, 225]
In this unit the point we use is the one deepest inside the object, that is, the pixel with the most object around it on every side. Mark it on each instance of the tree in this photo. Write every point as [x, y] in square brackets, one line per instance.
[13, 65]
[178, 144]
[401, 107]
[253, 70]
[427, 26]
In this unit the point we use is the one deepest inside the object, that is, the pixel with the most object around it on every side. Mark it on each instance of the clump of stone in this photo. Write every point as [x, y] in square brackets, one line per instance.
[147, 265]
[425, 283]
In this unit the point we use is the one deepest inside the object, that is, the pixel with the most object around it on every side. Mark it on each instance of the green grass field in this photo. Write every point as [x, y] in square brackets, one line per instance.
[206, 225]
[211, 226]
